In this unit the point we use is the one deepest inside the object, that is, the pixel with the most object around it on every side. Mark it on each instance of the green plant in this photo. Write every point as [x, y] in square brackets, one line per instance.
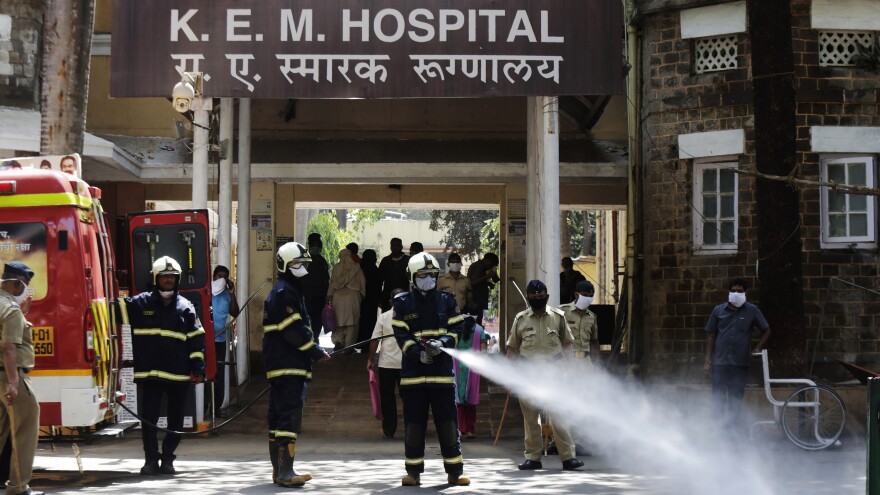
[489, 235]
[868, 57]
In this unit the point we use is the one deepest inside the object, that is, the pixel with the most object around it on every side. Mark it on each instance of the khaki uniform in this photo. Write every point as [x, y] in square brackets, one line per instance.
[543, 337]
[26, 411]
[459, 287]
[584, 329]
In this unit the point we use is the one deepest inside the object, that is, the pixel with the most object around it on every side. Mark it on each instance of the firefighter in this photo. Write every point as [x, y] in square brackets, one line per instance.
[425, 321]
[168, 342]
[289, 349]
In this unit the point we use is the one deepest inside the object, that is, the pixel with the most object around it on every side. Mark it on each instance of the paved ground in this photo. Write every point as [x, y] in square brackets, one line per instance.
[238, 463]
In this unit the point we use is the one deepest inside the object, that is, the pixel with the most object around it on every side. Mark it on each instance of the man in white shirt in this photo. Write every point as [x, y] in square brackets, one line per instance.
[388, 369]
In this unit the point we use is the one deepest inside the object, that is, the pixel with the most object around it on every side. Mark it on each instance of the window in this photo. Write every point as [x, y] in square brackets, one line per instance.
[837, 48]
[715, 207]
[715, 54]
[848, 220]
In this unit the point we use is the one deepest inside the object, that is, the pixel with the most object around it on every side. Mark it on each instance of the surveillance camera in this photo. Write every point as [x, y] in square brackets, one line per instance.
[182, 96]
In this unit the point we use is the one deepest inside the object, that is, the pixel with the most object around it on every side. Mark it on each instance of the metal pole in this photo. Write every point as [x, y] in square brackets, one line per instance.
[243, 256]
[873, 432]
[224, 207]
[201, 107]
[542, 218]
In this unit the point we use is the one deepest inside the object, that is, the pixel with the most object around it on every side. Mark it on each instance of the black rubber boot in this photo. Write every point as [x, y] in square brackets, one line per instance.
[286, 475]
[168, 465]
[273, 456]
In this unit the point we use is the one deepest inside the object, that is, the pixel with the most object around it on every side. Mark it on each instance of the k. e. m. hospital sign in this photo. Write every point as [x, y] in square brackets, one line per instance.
[368, 48]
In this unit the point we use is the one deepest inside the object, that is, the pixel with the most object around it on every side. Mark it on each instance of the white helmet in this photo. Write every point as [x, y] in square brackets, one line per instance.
[291, 252]
[165, 266]
[422, 263]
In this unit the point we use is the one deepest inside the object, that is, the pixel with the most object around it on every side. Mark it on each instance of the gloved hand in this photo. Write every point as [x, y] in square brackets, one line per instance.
[433, 347]
[425, 358]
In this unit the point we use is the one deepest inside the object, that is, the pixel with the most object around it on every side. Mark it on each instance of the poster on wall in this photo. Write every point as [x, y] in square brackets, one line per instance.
[70, 164]
[264, 239]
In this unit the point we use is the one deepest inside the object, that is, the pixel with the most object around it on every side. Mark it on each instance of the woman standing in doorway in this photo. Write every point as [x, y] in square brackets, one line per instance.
[347, 289]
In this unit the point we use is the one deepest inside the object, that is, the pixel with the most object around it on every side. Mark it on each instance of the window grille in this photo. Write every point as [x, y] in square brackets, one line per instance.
[715, 54]
[837, 48]
[848, 219]
[715, 207]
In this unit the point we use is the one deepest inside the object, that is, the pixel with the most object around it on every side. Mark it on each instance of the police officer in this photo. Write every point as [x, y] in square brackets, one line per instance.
[585, 332]
[425, 321]
[541, 333]
[289, 349]
[455, 283]
[20, 410]
[168, 342]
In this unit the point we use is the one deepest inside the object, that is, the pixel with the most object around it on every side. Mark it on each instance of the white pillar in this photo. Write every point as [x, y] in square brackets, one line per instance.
[201, 107]
[243, 259]
[542, 219]
[224, 206]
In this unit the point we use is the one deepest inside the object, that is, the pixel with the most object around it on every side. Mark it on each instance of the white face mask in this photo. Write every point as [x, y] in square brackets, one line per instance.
[737, 299]
[455, 267]
[426, 284]
[218, 286]
[583, 302]
[166, 294]
[21, 297]
[299, 272]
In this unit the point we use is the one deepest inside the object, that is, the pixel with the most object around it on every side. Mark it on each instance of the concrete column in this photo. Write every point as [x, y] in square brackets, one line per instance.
[542, 177]
[244, 235]
[224, 203]
[201, 107]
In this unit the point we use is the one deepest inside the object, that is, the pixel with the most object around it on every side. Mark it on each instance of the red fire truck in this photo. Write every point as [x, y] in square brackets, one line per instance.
[53, 222]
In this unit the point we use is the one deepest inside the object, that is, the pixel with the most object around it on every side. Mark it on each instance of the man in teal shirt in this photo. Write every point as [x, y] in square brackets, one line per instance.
[223, 304]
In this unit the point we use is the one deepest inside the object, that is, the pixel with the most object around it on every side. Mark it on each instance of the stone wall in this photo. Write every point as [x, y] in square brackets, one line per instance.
[21, 25]
[682, 286]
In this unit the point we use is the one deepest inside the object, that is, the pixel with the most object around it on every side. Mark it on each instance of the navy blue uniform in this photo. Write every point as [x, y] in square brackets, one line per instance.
[289, 349]
[168, 343]
[428, 386]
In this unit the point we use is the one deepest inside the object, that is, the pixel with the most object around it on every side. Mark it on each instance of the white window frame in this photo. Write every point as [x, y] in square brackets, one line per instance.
[848, 242]
[722, 248]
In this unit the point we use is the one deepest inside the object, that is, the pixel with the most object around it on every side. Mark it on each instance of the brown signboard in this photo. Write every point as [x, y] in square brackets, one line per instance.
[368, 48]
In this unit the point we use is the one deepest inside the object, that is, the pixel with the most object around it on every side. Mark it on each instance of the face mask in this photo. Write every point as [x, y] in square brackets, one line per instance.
[314, 251]
[166, 294]
[538, 303]
[455, 267]
[218, 286]
[737, 299]
[299, 272]
[21, 297]
[583, 302]
[426, 284]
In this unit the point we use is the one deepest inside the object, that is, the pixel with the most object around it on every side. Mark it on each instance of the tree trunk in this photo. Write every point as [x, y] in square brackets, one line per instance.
[587, 244]
[564, 235]
[778, 205]
[67, 44]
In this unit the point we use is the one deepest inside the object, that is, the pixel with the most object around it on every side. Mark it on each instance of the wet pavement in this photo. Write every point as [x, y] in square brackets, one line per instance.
[238, 463]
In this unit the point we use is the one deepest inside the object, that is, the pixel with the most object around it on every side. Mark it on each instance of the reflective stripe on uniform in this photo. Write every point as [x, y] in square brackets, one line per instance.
[423, 380]
[161, 374]
[289, 372]
[455, 319]
[414, 461]
[307, 346]
[407, 345]
[284, 434]
[452, 460]
[434, 332]
[160, 332]
[284, 324]
[399, 324]
[197, 355]
[124, 310]
[196, 332]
